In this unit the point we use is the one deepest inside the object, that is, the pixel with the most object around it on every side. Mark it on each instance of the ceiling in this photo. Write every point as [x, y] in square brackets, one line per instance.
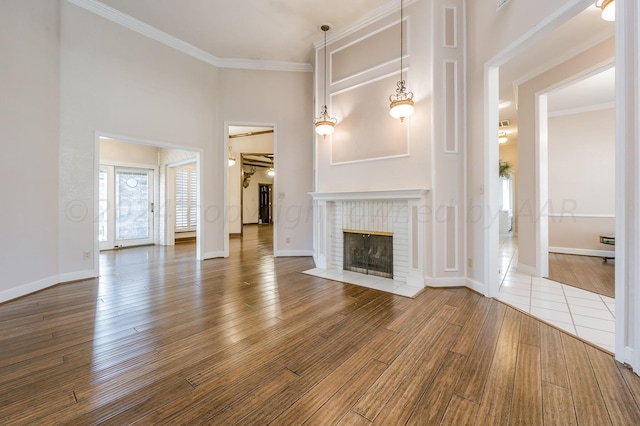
[268, 30]
[578, 34]
[284, 31]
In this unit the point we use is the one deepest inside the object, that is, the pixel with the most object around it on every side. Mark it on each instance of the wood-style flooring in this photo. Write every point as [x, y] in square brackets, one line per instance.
[585, 272]
[162, 339]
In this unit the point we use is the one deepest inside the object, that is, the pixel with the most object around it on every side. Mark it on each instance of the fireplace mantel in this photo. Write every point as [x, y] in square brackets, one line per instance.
[399, 212]
[388, 194]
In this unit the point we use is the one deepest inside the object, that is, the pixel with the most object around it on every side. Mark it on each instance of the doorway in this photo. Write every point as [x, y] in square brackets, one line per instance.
[251, 179]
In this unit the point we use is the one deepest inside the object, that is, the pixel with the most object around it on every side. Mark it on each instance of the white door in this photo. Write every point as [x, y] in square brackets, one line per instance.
[126, 207]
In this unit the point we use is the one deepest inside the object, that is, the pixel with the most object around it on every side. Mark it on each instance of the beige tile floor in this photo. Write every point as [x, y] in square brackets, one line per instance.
[587, 315]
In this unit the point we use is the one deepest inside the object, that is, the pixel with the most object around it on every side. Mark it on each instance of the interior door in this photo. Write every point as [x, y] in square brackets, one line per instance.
[265, 203]
[126, 218]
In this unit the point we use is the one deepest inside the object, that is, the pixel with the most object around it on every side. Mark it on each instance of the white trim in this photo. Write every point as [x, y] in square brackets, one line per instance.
[293, 253]
[456, 260]
[446, 282]
[77, 276]
[455, 26]
[371, 68]
[198, 155]
[578, 49]
[214, 255]
[153, 33]
[225, 180]
[476, 286]
[455, 95]
[35, 286]
[542, 184]
[391, 194]
[583, 109]
[391, 6]
[527, 269]
[579, 215]
[28, 288]
[582, 252]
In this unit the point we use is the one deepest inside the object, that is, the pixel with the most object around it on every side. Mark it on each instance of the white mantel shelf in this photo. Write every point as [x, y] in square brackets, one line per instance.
[389, 194]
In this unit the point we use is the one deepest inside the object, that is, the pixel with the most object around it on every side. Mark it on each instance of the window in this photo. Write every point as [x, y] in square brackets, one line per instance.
[186, 198]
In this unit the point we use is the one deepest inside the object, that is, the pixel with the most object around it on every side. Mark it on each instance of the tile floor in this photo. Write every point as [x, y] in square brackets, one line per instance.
[587, 315]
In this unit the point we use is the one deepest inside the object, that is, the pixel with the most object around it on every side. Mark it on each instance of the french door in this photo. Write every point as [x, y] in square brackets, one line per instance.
[126, 207]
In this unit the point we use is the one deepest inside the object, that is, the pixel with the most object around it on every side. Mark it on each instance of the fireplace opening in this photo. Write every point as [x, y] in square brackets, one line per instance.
[368, 253]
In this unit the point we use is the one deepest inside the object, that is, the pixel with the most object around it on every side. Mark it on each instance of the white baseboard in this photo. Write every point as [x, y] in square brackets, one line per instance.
[477, 286]
[582, 252]
[214, 255]
[28, 288]
[446, 282]
[527, 269]
[24, 289]
[75, 276]
[293, 253]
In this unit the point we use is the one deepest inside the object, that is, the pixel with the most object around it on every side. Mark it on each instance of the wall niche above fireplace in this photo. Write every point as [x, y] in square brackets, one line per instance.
[368, 253]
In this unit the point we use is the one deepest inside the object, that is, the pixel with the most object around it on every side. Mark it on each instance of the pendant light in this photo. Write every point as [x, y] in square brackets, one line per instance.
[608, 9]
[402, 101]
[324, 123]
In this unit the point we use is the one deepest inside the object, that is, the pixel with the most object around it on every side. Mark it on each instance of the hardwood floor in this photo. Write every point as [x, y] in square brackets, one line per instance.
[162, 339]
[585, 272]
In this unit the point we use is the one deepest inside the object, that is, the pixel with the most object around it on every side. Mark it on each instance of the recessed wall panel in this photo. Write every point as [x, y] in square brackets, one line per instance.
[450, 28]
[451, 106]
[365, 129]
[377, 49]
[451, 238]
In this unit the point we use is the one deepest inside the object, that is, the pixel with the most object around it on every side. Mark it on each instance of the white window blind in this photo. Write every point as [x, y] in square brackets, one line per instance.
[186, 198]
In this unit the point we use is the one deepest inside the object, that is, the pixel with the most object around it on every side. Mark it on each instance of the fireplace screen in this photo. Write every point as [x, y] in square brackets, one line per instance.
[368, 253]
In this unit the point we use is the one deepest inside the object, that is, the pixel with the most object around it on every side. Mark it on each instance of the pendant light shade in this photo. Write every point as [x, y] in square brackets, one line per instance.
[608, 8]
[401, 102]
[324, 123]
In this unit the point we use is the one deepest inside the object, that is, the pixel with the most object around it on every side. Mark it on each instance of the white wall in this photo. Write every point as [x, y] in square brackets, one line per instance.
[528, 208]
[118, 82]
[581, 151]
[491, 34]
[29, 128]
[119, 153]
[284, 100]
[370, 150]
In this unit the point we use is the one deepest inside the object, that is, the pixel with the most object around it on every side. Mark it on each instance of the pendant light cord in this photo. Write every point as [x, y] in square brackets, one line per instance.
[401, 37]
[326, 67]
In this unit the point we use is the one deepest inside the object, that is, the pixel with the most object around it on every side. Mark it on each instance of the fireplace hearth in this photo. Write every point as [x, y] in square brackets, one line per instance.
[368, 253]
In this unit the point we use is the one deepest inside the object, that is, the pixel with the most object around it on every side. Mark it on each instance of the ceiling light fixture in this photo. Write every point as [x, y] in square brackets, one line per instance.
[608, 9]
[232, 157]
[502, 137]
[402, 101]
[271, 172]
[325, 124]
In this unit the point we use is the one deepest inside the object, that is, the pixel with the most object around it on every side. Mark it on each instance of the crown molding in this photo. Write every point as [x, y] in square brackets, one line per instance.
[265, 65]
[153, 33]
[580, 110]
[587, 44]
[386, 9]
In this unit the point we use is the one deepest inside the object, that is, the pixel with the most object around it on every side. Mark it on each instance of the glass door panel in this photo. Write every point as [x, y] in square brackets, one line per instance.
[125, 216]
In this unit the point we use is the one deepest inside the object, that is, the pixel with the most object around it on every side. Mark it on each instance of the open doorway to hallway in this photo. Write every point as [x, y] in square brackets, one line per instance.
[251, 177]
[543, 173]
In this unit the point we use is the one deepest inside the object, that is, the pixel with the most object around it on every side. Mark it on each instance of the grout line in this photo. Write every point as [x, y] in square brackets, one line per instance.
[613, 314]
